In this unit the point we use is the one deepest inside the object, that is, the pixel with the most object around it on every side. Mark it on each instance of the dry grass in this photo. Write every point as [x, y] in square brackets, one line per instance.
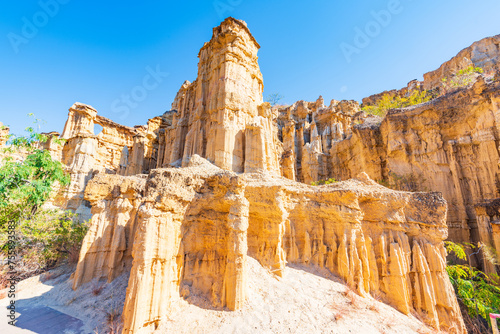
[351, 296]
[97, 288]
[114, 323]
[339, 313]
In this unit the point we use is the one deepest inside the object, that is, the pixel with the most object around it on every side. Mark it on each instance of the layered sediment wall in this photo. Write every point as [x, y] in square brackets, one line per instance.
[189, 230]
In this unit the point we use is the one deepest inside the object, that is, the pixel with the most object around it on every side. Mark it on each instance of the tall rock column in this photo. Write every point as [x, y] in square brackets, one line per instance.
[136, 158]
[79, 155]
[488, 224]
[235, 279]
[215, 114]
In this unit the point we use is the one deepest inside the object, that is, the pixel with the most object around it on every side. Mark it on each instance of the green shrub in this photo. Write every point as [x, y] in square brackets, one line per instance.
[322, 182]
[42, 236]
[462, 78]
[388, 102]
[26, 182]
[477, 291]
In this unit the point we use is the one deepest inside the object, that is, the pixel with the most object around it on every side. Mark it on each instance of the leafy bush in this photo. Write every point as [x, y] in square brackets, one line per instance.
[43, 236]
[322, 182]
[478, 292]
[388, 102]
[462, 78]
[26, 181]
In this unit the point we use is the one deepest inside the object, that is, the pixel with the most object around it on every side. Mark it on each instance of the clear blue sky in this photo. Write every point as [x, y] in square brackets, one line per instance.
[97, 51]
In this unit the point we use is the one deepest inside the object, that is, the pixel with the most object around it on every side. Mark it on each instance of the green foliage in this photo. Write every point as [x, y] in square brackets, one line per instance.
[28, 176]
[479, 292]
[323, 182]
[388, 102]
[274, 99]
[462, 78]
[46, 237]
[456, 249]
[27, 184]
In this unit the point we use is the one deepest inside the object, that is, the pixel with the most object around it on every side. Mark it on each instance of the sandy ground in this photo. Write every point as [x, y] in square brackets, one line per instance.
[57, 294]
[304, 300]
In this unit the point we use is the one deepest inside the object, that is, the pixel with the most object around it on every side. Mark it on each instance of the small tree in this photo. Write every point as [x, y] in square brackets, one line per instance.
[26, 182]
[462, 78]
[274, 99]
[477, 291]
[37, 236]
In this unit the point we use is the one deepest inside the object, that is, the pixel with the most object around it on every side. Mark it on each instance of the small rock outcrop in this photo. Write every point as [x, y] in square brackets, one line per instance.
[488, 223]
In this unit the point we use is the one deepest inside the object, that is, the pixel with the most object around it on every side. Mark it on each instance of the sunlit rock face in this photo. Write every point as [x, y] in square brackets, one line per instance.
[189, 230]
[449, 144]
[181, 202]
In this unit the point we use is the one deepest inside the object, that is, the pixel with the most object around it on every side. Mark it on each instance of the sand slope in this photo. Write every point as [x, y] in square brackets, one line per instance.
[305, 300]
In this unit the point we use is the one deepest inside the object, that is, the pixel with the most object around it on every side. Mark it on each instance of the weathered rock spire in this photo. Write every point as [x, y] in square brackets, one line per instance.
[218, 113]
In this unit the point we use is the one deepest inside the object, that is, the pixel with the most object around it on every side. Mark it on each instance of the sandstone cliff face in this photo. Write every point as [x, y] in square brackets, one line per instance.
[449, 143]
[193, 227]
[107, 247]
[117, 149]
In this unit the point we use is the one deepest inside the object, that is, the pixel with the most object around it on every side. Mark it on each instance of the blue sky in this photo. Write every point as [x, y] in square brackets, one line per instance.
[97, 52]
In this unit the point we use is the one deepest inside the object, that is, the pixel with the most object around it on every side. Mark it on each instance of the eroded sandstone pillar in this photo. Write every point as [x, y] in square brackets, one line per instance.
[80, 121]
[235, 278]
